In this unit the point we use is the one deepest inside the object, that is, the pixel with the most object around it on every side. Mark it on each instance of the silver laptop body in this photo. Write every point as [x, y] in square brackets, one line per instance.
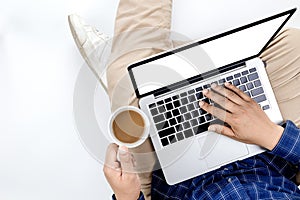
[169, 86]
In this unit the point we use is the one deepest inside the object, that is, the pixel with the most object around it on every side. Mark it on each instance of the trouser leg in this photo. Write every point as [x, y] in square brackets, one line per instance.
[141, 30]
[283, 68]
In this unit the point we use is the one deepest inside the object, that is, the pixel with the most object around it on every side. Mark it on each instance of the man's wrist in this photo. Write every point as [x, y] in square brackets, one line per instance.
[276, 133]
[128, 197]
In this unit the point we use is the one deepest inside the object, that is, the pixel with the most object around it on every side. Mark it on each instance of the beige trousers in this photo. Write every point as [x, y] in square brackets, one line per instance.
[141, 30]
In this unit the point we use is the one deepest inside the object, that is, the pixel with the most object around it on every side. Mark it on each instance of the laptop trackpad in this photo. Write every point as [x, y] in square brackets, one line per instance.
[217, 149]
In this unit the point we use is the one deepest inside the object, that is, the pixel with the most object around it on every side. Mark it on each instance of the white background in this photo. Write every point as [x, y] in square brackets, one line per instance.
[41, 156]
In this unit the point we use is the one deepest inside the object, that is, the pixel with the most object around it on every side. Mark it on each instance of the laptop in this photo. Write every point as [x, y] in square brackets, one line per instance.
[169, 86]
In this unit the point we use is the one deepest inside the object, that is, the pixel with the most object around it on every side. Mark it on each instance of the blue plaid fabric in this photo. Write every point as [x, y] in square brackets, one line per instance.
[270, 175]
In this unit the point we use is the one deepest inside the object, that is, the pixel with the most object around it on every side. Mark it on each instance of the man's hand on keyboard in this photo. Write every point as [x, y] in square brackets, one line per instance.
[247, 121]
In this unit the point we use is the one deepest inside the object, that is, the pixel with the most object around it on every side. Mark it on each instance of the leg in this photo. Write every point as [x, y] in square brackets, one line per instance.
[283, 61]
[283, 67]
[141, 29]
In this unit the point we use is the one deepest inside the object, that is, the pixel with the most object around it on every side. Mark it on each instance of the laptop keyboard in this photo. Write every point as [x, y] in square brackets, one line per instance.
[179, 117]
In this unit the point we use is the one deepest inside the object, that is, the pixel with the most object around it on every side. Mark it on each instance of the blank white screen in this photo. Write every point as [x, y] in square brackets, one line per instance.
[205, 57]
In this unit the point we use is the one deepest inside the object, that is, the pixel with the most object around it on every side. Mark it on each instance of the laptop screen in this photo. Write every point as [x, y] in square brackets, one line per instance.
[198, 58]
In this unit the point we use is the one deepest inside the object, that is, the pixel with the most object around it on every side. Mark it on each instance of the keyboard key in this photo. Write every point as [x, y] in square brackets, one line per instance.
[169, 106]
[199, 95]
[201, 120]
[257, 83]
[206, 86]
[194, 122]
[196, 105]
[168, 115]
[158, 118]
[236, 82]
[237, 75]
[161, 109]
[260, 98]
[186, 125]
[248, 93]
[179, 119]
[179, 136]
[168, 100]
[206, 100]
[187, 116]
[252, 77]
[175, 112]
[176, 104]
[229, 78]
[183, 109]
[172, 139]
[191, 91]
[154, 111]
[202, 112]
[250, 86]
[188, 133]
[183, 94]
[199, 89]
[184, 101]
[153, 105]
[245, 72]
[192, 98]
[243, 80]
[195, 130]
[164, 141]
[221, 81]
[190, 107]
[162, 125]
[160, 103]
[166, 132]
[175, 97]
[208, 117]
[201, 128]
[179, 127]
[252, 70]
[266, 107]
[195, 113]
[172, 122]
[243, 88]
[257, 91]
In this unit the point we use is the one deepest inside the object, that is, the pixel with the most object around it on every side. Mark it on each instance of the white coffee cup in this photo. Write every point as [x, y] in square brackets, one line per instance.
[127, 111]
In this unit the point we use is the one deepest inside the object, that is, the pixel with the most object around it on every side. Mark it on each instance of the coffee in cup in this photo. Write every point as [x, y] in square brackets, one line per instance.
[129, 126]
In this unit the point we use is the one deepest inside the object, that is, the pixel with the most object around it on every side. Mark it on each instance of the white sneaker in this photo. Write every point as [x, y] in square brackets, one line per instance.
[93, 46]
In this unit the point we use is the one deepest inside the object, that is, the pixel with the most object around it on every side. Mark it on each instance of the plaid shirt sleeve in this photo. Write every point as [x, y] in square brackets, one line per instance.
[288, 146]
[141, 197]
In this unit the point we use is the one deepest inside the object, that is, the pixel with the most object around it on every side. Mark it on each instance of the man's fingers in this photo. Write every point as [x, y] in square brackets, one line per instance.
[111, 166]
[217, 112]
[221, 100]
[111, 155]
[237, 91]
[232, 96]
[221, 130]
[126, 160]
[117, 165]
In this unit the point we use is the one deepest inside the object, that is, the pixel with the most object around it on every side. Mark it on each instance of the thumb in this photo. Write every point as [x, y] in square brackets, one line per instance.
[125, 160]
[224, 130]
